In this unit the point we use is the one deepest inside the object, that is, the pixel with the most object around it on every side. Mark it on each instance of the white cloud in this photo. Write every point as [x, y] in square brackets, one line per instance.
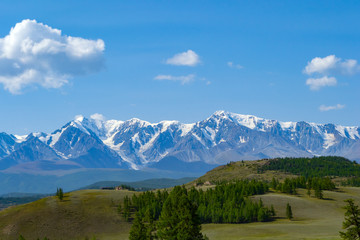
[331, 64]
[183, 79]
[188, 58]
[232, 65]
[321, 65]
[98, 117]
[317, 83]
[324, 108]
[36, 54]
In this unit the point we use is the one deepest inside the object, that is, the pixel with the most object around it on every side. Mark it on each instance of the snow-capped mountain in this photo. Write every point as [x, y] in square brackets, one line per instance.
[96, 143]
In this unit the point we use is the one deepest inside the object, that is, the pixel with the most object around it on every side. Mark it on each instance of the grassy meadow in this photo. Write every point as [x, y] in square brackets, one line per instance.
[81, 214]
[85, 214]
[89, 213]
[313, 218]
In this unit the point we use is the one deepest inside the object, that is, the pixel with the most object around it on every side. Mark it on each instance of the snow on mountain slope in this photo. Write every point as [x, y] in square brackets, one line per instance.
[224, 136]
[7, 143]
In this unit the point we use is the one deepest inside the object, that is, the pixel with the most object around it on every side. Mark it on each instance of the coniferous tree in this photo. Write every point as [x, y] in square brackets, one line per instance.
[178, 219]
[352, 221]
[272, 211]
[318, 192]
[60, 194]
[126, 208]
[138, 229]
[261, 217]
[289, 214]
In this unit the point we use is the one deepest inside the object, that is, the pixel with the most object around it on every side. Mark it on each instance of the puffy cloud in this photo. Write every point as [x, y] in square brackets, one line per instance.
[317, 83]
[331, 64]
[188, 58]
[324, 108]
[321, 65]
[232, 65]
[98, 117]
[36, 54]
[183, 79]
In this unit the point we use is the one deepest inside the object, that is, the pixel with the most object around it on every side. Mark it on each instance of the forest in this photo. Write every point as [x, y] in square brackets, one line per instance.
[330, 166]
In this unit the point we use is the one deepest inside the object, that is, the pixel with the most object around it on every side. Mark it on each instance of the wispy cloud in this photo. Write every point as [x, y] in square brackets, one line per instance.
[36, 54]
[324, 108]
[188, 58]
[182, 79]
[233, 65]
[317, 83]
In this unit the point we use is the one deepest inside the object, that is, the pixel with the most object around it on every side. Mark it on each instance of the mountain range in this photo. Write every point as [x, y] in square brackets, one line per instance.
[170, 145]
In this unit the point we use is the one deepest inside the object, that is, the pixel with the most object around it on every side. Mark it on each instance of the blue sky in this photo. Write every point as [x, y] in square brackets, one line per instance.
[290, 61]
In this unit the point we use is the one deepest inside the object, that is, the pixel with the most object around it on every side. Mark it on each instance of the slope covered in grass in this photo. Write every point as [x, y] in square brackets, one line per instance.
[89, 213]
[313, 218]
[80, 214]
[281, 168]
[93, 213]
[242, 170]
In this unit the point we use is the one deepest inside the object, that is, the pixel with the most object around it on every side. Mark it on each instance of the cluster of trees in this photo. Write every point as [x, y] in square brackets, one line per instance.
[168, 216]
[353, 181]
[178, 214]
[314, 167]
[312, 183]
[229, 203]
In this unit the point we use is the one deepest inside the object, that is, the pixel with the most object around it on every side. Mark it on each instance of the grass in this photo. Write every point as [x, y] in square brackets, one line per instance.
[81, 213]
[313, 218]
[89, 213]
[240, 170]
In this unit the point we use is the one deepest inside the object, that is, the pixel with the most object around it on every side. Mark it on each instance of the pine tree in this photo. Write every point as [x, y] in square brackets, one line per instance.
[318, 192]
[272, 211]
[126, 208]
[60, 194]
[352, 221]
[138, 229]
[289, 214]
[261, 217]
[178, 219]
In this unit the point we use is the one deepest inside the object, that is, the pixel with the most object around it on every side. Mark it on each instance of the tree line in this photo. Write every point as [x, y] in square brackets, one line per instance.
[289, 185]
[314, 167]
[158, 214]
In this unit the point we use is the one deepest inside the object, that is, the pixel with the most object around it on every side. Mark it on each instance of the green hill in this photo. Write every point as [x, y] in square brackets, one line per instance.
[93, 213]
[242, 170]
[338, 168]
[81, 213]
